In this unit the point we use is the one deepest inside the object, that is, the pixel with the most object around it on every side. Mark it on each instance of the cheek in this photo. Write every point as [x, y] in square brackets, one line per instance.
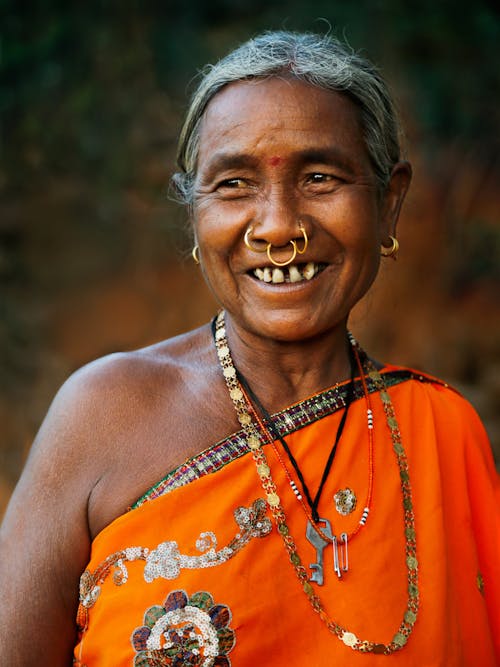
[207, 228]
[219, 229]
[216, 240]
[354, 222]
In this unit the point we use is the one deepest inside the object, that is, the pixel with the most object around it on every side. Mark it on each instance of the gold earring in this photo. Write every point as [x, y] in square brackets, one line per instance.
[392, 251]
[195, 254]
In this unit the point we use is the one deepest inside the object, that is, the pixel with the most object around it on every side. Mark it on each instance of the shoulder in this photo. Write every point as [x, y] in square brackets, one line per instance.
[430, 400]
[116, 394]
[135, 407]
[419, 394]
[133, 376]
[412, 380]
[169, 357]
[397, 374]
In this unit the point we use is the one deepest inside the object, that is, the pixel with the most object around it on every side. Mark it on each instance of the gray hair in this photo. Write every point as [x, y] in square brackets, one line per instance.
[322, 61]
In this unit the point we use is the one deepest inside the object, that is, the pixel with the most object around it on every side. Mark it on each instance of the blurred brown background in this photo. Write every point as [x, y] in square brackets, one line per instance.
[94, 257]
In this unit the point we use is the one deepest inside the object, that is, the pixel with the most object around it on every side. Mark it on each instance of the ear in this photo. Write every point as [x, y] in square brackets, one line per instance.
[393, 197]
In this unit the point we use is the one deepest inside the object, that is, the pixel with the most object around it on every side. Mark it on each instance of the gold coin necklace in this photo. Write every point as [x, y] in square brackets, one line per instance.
[242, 409]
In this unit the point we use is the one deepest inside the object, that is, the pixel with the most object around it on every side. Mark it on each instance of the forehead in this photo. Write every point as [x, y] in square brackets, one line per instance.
[279, 114]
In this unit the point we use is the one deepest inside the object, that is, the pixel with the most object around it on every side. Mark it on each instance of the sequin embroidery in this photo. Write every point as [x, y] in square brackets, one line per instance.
[345, 501]
[166, 561]
[184, 632]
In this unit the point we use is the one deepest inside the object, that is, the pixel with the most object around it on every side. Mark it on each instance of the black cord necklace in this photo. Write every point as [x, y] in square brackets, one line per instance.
[313, 503]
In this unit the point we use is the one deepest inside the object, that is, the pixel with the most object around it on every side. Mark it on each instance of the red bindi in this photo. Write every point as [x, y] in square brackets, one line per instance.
[275, 160]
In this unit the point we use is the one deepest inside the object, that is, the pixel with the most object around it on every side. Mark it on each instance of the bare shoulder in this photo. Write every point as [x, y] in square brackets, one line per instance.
[114, 428]
[110, 395]
[117, 390]
[120, 375]
[135, 407]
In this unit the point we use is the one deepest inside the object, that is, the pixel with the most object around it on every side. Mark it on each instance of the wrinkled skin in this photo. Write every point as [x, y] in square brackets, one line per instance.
[272, 154]
[275, 154]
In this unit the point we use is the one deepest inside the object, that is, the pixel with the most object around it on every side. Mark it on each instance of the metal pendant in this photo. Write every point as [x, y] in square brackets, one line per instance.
[319, 543]
[339, 547]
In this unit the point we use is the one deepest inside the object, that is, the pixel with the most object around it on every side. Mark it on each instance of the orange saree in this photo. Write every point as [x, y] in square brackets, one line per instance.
[197, 574]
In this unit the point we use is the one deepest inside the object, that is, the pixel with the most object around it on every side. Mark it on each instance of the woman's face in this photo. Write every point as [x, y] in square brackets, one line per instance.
[274, 154]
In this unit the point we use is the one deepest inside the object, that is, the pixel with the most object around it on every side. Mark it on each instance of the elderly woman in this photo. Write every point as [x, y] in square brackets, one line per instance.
[259, 491]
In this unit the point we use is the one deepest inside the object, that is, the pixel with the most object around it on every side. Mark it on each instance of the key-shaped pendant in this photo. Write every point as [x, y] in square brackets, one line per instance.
[319, 544]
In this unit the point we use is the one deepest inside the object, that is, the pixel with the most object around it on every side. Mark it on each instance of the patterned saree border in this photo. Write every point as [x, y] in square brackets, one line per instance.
[287, 421]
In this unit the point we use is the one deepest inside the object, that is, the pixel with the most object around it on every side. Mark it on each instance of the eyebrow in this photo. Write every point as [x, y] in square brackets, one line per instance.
[223, 161]
[327, 155]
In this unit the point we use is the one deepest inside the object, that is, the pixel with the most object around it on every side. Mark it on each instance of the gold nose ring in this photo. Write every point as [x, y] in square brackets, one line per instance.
[268, 249]
[288, 261]
[247, 241]
[306, 240]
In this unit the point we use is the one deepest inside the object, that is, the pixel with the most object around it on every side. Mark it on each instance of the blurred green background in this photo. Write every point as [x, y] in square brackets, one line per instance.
[94, 256]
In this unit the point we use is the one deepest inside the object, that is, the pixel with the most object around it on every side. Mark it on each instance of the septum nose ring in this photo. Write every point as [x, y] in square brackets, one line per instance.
[268, 248]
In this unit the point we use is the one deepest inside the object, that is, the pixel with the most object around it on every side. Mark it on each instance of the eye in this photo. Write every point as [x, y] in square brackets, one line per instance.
[234, 188]
[232, 183]
[318, 177]
[318, 182]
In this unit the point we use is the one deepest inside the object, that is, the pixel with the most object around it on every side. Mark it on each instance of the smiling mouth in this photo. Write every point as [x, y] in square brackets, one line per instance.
[295, 273]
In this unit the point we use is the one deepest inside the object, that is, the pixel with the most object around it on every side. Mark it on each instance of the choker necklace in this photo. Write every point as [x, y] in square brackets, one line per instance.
[243, 408]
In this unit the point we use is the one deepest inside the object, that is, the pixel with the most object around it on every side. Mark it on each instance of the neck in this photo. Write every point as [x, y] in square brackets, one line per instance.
[285, 372]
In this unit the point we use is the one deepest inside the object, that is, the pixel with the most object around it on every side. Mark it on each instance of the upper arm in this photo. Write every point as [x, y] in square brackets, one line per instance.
[74, 484]
[44, 539]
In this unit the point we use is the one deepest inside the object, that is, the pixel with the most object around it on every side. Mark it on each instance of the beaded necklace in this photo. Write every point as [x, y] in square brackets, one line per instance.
[269, 429]
[243, 408]
[314, 529]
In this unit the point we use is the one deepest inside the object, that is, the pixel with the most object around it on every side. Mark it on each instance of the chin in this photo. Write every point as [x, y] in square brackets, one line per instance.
[288, 327]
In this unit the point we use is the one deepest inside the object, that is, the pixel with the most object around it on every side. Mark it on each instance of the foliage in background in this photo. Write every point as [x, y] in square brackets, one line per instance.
[75, 74]
[91, 100]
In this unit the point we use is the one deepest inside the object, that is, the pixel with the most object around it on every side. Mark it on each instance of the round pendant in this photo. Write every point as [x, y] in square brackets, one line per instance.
[345, 501]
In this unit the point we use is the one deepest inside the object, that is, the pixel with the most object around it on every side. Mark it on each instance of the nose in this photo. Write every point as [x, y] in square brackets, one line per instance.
[277, 221]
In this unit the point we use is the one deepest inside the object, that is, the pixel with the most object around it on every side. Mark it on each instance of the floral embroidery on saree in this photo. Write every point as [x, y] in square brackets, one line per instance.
[166, 561]
[184, 632]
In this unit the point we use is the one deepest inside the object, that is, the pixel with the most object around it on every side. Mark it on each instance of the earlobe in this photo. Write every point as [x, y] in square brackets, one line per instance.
[394, 195]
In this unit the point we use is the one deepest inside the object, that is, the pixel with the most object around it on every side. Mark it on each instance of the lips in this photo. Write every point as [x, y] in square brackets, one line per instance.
[295, 273]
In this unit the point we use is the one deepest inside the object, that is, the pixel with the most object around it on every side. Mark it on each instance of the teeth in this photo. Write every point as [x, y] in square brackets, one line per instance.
[295, 274]
[278, 276]
[309, 271]
[292, 274]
